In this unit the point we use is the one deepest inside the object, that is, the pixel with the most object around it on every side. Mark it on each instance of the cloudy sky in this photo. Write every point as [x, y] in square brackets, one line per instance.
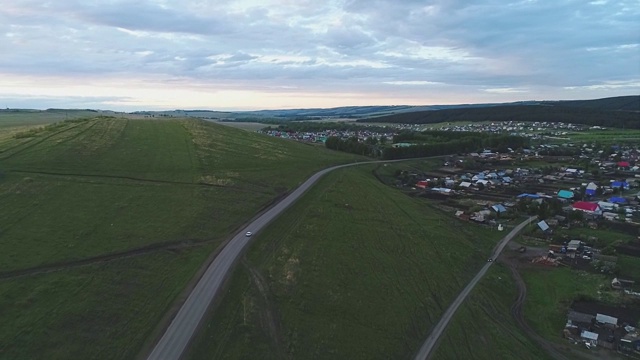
[257, 54]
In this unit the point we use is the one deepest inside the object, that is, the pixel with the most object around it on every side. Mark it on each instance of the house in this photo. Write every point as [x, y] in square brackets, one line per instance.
[574, 245]
[565, 194]
[589, 337]
[578, 317]
[499, 208]
[623, 164]
[441, 190]
[617, 200]
[606, 320]
[607, 206]
[620, 185]
[465, 184]
[535, 196]
[587, 207]
[591, 189]
[422, 184]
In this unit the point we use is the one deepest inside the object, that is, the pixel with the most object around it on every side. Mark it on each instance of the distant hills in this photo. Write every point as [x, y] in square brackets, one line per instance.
[428, 113]
[622, 112]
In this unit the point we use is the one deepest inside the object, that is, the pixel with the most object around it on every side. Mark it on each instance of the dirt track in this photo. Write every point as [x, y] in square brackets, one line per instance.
[516, 311]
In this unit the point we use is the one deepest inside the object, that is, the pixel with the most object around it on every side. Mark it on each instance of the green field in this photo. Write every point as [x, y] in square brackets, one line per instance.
[355, 270]
[610, 136]
[21, 118]
[483, 327]
[629, 267]
[550, 292]
[154, 196]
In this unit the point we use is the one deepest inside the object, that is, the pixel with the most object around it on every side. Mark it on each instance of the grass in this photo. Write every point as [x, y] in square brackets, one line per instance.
[610, 136]
[21, 118]
[103, 311]
[550, 292]
[111, 185]
[604, 236]
[483, 327]
[83, 189]
[629, 267]
[354, 270]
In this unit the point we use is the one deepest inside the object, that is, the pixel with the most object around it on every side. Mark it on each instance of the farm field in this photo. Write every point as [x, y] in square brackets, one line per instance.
[483, 327]
[123, 212]
[356, 269]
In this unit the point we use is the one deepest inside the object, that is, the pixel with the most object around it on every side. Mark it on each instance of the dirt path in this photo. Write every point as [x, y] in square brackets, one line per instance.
[268, 317]
[554, 350]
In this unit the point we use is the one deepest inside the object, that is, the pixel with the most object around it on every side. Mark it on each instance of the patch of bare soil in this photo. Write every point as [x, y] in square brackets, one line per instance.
[269, 319]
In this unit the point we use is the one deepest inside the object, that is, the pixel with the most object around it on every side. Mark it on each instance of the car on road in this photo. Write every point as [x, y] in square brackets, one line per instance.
[248, 234]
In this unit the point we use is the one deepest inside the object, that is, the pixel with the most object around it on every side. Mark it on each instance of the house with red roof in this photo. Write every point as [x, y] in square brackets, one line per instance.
[587, 207]
[623, 164]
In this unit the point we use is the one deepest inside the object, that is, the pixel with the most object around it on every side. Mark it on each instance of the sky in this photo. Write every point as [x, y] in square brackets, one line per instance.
[268, 54]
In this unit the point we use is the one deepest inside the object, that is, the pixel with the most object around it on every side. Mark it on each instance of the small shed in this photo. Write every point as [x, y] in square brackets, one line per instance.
[589, 337]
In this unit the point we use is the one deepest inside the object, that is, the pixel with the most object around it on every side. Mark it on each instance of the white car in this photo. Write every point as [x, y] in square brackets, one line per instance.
[248, 234]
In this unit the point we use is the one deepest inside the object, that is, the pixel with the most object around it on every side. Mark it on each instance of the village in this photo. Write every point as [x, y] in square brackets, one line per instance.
[578, 199]
[535, 130]
[586, 196]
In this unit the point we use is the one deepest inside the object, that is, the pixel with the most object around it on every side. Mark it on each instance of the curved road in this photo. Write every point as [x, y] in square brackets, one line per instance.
[431, 342]
[183, 326]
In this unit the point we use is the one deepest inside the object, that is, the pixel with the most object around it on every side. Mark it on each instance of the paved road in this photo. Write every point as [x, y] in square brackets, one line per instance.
[431, 342]
[179, 333]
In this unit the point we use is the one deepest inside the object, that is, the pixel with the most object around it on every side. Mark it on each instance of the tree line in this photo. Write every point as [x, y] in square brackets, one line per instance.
[524, 113]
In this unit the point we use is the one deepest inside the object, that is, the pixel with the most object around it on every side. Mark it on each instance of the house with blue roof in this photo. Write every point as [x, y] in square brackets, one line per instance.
[617, 200]
[591, 189]
[620, 185]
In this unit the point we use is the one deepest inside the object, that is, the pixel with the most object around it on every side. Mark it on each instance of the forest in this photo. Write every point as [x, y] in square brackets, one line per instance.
[524, 113]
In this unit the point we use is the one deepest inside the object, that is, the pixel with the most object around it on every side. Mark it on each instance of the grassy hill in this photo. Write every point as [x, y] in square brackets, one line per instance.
[104, 221]
[355, 270]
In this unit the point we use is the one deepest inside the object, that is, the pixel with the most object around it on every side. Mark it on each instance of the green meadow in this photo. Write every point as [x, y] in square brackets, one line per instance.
[354, 270]
[153, 197]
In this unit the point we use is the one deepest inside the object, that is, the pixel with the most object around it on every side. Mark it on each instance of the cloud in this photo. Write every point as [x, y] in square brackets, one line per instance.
[376, 48]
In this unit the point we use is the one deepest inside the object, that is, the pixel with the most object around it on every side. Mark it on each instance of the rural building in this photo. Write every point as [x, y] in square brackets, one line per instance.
[499, 208]
[574, 245]
[591, 189]
[587, 207]
[565, 194]
[606, 320]
[607, 206]
[589, 337]
[620, 185]
[617, 200]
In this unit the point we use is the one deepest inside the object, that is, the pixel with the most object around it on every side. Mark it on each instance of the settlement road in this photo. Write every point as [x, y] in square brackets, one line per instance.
[431, 342]
[183, 326]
